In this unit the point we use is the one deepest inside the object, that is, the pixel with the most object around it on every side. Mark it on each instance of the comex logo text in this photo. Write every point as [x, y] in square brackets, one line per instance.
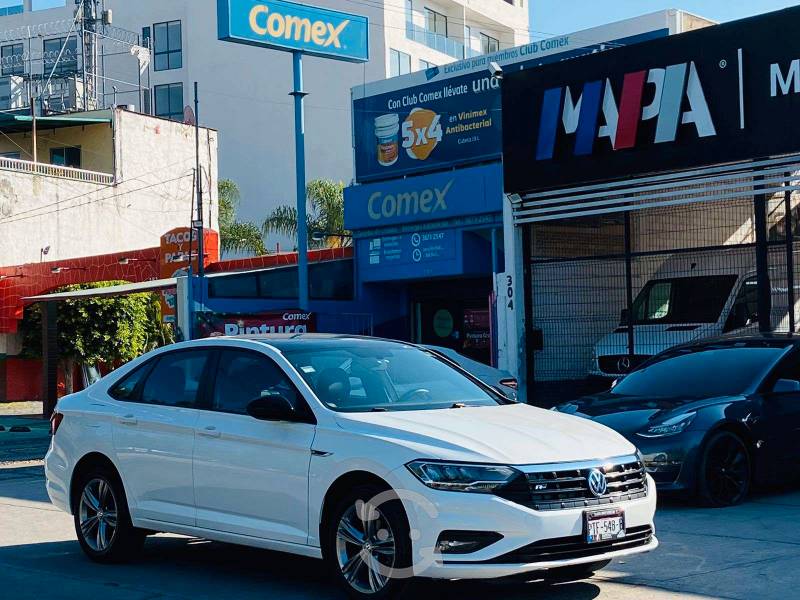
[276, 25]
[670, 86]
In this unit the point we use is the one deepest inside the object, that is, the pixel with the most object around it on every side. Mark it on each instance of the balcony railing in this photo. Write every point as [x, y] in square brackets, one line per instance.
[437, 41]
[48, 170]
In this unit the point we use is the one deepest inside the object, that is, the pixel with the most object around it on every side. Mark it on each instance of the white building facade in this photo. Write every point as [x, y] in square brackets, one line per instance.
[244, 90]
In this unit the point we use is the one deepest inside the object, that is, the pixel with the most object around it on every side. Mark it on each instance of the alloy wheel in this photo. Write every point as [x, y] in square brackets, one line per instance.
[727, 470]
[97, 514]
[365, 548]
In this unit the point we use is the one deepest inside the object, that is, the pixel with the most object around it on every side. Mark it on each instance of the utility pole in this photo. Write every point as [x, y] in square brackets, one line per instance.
[198, 224]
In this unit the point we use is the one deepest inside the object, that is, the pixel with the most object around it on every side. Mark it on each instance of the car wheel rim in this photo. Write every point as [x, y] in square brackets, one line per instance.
[727, 471]
[97, 515]
[365, 548]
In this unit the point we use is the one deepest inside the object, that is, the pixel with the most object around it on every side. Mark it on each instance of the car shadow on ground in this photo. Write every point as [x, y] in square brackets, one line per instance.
[172, 565]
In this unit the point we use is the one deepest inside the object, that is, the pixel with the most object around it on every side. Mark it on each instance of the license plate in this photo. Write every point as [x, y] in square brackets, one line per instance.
[601, 526]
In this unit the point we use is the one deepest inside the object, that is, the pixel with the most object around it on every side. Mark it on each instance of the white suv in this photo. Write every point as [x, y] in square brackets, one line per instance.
[376, 456]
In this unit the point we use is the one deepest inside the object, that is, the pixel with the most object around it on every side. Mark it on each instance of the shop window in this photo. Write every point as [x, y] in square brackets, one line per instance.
[12, 58]
[66, 157]
[167, 46]
[68, 63]
[329, 280]
[399, 63]
[14, 155]
[435, 22]
[169, 101]
[11, 7]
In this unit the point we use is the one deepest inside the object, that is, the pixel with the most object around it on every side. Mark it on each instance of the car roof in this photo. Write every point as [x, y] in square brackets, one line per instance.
[288, 341]
[754, 340]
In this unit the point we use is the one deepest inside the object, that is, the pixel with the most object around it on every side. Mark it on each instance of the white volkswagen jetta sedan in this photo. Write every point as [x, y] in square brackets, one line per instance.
[376, 456]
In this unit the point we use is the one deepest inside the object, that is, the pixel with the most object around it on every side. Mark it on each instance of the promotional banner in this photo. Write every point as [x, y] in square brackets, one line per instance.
[294, 27]
[285, 321]
[439, 196]
[449, 121]
[720, 94]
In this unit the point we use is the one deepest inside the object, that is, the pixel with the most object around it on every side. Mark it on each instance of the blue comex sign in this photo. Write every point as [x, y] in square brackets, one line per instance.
[294, 27]
[434, 197]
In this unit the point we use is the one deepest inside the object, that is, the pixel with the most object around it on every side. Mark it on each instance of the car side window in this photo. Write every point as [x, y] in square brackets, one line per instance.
[175, 380]
[244, 376]
[125, 388]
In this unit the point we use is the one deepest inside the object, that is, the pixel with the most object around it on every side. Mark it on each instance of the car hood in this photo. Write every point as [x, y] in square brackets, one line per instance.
[510, 434]
[629, 414]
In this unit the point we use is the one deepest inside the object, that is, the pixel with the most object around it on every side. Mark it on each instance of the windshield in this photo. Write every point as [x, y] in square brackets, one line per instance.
[691, 372]
[682, 300]
[378, 377]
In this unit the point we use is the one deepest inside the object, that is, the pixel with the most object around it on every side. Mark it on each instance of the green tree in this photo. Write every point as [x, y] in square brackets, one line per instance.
[108, 330]
[325, 214]
[235, 235]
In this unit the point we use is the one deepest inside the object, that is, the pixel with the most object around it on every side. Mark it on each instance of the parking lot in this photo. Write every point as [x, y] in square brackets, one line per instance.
[750, 551]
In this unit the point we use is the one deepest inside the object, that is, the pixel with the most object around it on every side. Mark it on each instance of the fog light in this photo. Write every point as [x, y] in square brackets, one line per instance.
[464, 542]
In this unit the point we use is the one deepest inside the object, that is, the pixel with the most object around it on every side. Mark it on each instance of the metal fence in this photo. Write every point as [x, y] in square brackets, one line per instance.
[650, 264]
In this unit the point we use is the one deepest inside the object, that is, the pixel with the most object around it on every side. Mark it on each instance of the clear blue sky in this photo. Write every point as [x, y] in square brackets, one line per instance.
[555, 17]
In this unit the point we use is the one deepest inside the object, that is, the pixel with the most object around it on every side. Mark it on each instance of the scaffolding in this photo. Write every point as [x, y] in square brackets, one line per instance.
[60, 66]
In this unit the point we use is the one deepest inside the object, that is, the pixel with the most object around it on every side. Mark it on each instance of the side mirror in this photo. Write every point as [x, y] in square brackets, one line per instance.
[784, 386]
[275, 407]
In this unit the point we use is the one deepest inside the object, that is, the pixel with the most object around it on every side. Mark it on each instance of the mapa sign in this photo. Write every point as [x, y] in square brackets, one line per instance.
[721, 94]
[294, 27]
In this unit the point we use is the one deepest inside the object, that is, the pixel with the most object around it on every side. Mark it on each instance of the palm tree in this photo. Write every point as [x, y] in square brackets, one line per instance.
[235, 235]
[325, 215]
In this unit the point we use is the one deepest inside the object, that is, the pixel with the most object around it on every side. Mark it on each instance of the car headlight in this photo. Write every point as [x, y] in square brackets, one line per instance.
[669, 427]
[460, 477]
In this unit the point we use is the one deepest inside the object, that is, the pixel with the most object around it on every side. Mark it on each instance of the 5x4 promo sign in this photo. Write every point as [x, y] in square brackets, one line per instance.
[294, 27]
[721, 94]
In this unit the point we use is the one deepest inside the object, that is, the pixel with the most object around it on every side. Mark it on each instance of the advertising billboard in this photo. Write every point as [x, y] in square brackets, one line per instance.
[434, 197]
[720, 94]
[210, 324]
[294, 27]
[453, 116]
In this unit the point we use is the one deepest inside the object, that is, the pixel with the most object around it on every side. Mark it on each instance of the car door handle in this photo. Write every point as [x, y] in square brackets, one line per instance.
[128, 420]
[209, 431]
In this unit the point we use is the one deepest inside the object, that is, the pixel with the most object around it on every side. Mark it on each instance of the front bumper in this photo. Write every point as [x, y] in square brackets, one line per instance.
[672, 461]
[431, 512]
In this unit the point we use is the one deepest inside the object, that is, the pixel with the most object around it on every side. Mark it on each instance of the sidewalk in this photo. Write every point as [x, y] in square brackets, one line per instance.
[31, 436]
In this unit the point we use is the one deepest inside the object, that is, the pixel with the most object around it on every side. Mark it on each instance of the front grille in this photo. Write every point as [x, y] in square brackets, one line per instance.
[620, 364]
[568, 548]
[569, 488]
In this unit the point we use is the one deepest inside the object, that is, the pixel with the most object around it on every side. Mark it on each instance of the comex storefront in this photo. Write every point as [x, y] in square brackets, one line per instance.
[653, 199]
[427, 208]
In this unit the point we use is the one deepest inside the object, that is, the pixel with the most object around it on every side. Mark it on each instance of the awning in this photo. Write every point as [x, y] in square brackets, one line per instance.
[15, 123]
[106, 292]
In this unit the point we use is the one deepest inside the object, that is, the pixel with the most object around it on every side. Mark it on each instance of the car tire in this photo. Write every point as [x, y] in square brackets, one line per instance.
[725, 470]
[102, 520]
[368, 557]
[576, 572]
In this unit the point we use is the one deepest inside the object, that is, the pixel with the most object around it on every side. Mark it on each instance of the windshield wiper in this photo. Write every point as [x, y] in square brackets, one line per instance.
[379, 409]
[458, 405]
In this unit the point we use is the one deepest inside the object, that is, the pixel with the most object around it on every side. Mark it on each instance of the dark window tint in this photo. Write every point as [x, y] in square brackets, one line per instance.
[69, 57]
[169, 101]
[167, 48]
[683, 299]
[66, 157]
[688, 373]
[329, 280]
[13, 59]
[126, 387]
[246, 376]
[175, 379]
[233, 286]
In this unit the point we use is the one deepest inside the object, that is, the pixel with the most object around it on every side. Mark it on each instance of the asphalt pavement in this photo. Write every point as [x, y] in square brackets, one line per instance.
[746, 552]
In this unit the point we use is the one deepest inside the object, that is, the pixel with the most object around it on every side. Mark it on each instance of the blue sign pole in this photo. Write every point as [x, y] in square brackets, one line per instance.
[300, 170]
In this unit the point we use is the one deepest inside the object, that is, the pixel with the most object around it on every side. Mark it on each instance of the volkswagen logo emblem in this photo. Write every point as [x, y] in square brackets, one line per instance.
[598, 484]
[624, 364]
